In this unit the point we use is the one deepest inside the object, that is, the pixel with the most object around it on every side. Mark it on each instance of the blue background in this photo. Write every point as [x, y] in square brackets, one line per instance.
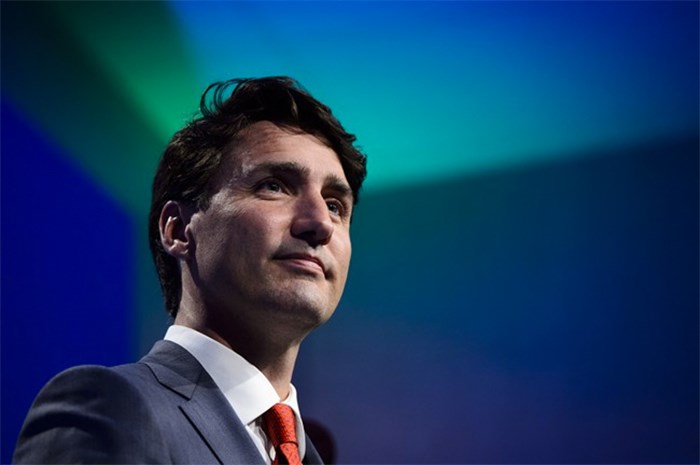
[524, 285]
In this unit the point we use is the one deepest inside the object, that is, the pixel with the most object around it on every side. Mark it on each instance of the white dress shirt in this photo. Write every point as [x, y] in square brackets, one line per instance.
[248, 391]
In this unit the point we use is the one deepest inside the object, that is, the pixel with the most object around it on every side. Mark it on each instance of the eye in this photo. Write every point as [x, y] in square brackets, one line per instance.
[336, 207]
[270, 185]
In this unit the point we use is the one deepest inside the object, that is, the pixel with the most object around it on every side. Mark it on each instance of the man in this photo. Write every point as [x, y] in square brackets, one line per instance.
[250, 232]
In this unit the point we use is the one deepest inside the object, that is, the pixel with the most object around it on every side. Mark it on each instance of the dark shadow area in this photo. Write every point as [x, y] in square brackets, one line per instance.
[322, 438]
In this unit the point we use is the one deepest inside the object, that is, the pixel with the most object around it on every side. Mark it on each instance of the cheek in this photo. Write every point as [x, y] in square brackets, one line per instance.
[343, 253]
[258, 231]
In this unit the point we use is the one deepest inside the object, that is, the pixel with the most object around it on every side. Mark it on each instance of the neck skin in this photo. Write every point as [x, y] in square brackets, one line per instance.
[272, 351]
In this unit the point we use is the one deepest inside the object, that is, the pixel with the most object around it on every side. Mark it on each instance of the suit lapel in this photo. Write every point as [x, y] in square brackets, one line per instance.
[205, 407]
[220, 427]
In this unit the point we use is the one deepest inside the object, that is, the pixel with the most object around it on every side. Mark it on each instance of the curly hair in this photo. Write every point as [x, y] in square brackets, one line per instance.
[194, 154]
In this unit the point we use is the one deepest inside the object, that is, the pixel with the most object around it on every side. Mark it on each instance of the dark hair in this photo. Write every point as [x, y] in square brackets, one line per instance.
[194, 154]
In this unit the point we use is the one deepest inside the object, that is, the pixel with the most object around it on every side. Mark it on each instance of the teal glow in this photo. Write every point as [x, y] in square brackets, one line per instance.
[432, 89]
[436, 90]
[139, 48]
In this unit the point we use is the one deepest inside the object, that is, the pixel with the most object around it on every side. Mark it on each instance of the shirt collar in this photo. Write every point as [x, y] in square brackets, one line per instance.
[245, 387]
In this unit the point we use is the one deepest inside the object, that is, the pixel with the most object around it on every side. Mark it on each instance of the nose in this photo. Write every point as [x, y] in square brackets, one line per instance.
[312, 222]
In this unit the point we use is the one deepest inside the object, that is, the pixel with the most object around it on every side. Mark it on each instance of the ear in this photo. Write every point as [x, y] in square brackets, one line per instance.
[173, 224]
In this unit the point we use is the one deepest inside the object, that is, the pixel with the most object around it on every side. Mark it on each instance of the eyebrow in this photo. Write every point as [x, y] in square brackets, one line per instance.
[332, 181]
[276, 168]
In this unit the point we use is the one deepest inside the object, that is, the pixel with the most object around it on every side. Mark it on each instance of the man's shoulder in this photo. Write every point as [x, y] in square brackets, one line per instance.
[94, 388]
[99, 414]
[98, 375]
[89, 413]
[88, 378]
[166, 364]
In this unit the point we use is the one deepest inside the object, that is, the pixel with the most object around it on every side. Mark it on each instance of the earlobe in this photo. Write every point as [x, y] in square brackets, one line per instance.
[173, 230]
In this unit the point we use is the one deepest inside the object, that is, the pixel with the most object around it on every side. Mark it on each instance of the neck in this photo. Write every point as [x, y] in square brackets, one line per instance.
[272, 352]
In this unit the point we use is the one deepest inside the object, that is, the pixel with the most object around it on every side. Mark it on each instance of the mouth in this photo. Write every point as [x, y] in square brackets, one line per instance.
[304, 261]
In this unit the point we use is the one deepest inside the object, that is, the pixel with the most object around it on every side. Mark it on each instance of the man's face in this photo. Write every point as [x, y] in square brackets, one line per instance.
[274, 244]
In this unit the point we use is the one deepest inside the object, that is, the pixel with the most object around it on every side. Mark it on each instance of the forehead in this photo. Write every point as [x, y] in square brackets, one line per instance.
[265, 142]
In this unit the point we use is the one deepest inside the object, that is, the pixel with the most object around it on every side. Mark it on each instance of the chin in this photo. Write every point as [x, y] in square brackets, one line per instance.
[304, 308]
[312, 312]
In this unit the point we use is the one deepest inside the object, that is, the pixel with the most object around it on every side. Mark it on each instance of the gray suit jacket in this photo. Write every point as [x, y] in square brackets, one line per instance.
[163, 409]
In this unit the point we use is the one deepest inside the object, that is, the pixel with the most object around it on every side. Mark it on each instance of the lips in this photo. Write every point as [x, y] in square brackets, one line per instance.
[304, 260]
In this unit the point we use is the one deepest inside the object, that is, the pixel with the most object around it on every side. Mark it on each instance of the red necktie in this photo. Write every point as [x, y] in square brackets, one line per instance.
[280, 426]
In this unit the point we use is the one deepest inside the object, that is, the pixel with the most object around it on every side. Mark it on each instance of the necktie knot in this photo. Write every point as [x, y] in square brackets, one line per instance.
[280, 426]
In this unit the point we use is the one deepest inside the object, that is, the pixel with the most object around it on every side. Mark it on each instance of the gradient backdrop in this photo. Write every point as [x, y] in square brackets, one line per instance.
[524, 287]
